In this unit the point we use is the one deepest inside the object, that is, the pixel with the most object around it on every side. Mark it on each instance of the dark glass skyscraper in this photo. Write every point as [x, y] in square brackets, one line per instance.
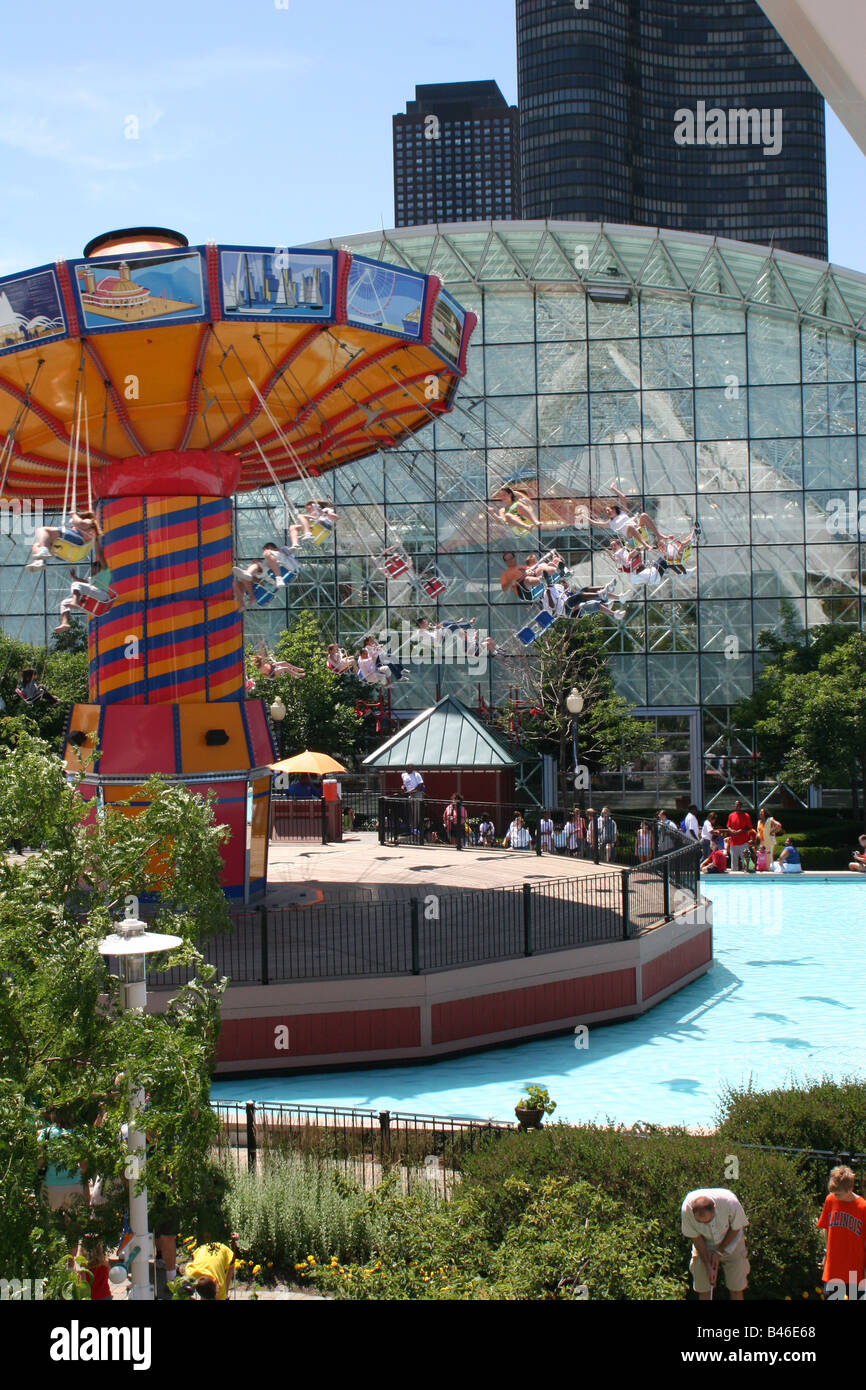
[456, 155]
[688, 114]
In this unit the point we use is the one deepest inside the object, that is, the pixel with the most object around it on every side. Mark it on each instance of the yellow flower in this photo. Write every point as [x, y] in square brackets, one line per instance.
[818, 1288]
[270, 1264]
[300, 1266]
[257, 1269]
[805, 1295]
[310, 1260]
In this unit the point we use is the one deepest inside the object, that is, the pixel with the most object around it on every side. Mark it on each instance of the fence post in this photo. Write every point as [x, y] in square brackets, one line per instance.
[626, 925]
[263, 944]
[666, 881]
[384, 1135]
[415, 907]
[324, 813]
[538, 838]
[381, 820]
[527, 919]
[252, 1141]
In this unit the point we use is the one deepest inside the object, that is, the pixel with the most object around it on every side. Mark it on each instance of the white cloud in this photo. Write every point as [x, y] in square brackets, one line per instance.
[84, 111]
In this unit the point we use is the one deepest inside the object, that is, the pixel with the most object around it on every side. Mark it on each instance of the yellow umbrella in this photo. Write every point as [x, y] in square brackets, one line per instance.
[318, 763]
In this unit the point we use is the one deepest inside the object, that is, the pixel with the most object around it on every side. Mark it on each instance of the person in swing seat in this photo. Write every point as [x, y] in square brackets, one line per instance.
[268, 665]
[75, 539]
[282, 564]
[317, 512]
[516, 511]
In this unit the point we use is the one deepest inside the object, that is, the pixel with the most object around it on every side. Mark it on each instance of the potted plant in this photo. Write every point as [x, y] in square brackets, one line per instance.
[533, 1105]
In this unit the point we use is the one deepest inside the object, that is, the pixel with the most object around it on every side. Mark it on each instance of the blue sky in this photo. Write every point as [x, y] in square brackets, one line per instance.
[256, 124]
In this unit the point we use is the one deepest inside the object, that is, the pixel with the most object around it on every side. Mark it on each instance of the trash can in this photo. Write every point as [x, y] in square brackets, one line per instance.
[332, 795]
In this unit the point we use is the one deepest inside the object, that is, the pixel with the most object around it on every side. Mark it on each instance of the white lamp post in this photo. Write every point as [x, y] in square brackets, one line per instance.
[574, 704]
[132, 943]
[278, 714]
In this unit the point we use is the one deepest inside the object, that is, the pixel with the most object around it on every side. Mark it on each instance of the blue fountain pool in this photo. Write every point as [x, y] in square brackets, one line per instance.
[785, 999]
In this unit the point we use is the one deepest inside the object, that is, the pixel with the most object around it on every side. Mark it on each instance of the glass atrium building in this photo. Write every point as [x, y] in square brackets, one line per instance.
[711, 379]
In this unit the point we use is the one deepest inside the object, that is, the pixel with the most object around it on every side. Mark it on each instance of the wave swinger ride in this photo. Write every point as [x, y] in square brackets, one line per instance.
[150, 381]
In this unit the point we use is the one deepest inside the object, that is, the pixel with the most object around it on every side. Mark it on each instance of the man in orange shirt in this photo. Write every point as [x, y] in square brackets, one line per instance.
[844, 1220]
[742, 832]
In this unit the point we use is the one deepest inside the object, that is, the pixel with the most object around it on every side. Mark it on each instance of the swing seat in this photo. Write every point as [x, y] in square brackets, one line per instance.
[263, 594]
[320, 531]
[394, 563]
[544, 620]
[433, 582]
[536, 593]
[527, 635]
[92, 599]
[71, 547]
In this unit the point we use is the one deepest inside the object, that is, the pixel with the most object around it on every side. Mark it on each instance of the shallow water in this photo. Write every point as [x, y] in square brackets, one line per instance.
[784, 999]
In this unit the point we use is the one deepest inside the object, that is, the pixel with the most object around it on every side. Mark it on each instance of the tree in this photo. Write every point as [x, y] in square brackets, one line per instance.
[320, 709]
[69, 1053]
[63, 671]
[808, 709]
[572, 655]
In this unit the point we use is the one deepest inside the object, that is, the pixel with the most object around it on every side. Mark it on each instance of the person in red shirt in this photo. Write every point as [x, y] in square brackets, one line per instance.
[844, 1220]
[716, 861]
[742, 833]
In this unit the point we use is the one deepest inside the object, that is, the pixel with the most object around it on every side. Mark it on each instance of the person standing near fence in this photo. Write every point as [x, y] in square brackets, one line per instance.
[454, 820]
[413, 786]
[608, 835]
[545, 830]
[517, 836]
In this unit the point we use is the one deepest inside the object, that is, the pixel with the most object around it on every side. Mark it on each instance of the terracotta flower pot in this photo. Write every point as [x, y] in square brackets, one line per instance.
[529, 1119]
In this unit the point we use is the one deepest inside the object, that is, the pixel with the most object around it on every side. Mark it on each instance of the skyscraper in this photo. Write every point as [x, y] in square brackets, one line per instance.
[688, 114]
[456, 155]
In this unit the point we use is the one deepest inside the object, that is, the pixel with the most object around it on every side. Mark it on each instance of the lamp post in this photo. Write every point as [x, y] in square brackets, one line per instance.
[574, 704]
[132, 943]
[278, 714]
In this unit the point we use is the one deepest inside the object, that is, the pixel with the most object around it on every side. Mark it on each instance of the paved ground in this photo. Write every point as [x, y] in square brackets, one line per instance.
[368, 869]
[345, 910]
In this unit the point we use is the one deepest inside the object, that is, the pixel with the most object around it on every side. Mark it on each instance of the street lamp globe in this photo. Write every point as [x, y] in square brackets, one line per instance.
[574, 702]
[278, 711]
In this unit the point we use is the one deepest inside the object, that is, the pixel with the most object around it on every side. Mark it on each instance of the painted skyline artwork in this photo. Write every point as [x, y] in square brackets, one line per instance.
[383, 297]
[30, 309]
[278, 283]
[446, 327]
[139, 289]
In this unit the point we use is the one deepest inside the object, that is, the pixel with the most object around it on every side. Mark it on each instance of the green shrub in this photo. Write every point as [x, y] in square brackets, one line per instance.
[817, 857]
[538, 1216]
[297, 1207]
[827, 1114]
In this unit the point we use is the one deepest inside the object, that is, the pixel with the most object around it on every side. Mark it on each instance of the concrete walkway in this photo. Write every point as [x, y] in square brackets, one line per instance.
[361, 867]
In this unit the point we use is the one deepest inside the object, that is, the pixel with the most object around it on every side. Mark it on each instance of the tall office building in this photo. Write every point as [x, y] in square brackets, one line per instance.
[456, 155]
[688, 114]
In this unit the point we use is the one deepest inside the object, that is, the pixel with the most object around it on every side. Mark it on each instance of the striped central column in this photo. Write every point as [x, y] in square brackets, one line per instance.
[174, 635]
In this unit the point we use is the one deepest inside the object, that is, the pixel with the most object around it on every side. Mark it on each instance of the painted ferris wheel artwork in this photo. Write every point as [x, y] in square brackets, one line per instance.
[141, 387]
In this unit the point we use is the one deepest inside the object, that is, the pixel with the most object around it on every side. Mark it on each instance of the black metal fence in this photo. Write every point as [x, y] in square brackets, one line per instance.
[367, 1143]
[364, 1144]
[434, 930]
[611, 839]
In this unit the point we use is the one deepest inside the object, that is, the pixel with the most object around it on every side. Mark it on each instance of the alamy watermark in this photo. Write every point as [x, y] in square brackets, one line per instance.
[436, 646]
[738, 126]
[21, 518]
[846, 516]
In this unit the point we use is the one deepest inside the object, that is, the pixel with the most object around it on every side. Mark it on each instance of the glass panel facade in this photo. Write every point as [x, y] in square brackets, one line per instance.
[749, 416]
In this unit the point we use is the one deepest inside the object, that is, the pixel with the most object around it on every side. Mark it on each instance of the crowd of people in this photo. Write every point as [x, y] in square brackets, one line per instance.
[741, 847]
